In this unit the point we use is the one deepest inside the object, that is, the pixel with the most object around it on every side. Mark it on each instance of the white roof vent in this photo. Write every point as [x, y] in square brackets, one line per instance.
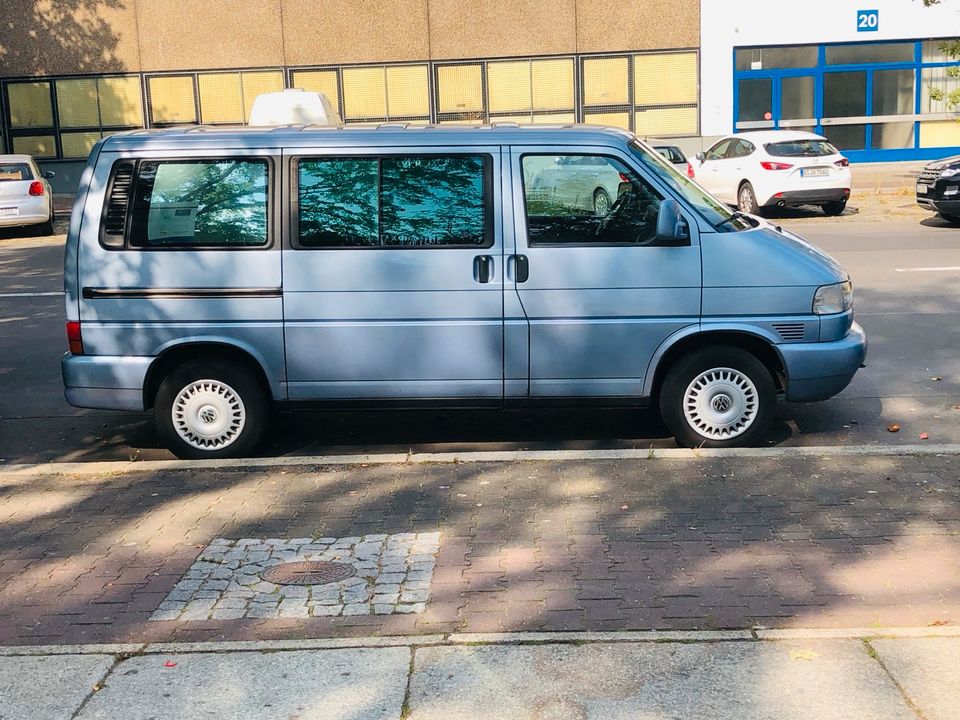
[293, 107]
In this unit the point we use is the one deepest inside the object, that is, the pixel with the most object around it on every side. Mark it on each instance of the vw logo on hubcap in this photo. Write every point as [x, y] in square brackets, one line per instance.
[208, 415]
[721, 403]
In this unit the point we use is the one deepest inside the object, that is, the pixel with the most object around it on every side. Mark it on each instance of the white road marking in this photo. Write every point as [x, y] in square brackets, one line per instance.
[945, 268]
[31, 294]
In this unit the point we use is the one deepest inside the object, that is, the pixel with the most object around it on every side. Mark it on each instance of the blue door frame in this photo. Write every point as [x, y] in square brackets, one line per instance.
[818, 71]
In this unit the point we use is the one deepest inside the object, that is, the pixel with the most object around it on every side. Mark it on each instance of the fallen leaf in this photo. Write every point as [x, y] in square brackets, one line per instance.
[804, 655]
[940, 623]
[893, 427]
[924, 436]
[169, 663]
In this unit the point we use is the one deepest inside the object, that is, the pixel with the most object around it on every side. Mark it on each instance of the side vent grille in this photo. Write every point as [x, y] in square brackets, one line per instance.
[118, 201]
[790, 332]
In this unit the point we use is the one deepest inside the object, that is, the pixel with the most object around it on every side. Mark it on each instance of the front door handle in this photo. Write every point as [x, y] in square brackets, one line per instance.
[519, 268]
[483, 268]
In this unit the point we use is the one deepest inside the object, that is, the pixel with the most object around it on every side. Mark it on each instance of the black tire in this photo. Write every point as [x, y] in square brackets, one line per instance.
[46, 228]
[673, 396]
[747, 199]
[955, 219]
[601, 203]
[226, 376]
[834, 208]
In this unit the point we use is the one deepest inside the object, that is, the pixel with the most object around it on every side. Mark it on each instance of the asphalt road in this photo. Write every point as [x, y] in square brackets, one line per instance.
[907, 278]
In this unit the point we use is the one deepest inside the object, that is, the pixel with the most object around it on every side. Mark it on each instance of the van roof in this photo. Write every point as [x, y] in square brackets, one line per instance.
[400, 134]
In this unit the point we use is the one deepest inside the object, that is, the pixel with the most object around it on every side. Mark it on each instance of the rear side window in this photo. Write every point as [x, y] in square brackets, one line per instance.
[672, 154]
[13, 172]
[200, 204]
[800, 148]
[398, 202]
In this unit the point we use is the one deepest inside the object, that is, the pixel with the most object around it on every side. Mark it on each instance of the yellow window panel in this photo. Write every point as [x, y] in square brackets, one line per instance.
[669, 79]
[508, 84]
[460, 88]
[40, 146]
[555, 118]
[408, 90]
[614, 119]
[171, 100]
[666, 121]
[30, 105]
[78, 144]
[605, 81]
[939, 133]
[258, 83]
[322, 81]
[221, 98]
[77, 103]
[120, 101]
[552, 82]
[475, 121]
[364, 92]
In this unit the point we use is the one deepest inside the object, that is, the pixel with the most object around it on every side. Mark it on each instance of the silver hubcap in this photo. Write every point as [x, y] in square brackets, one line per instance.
[601, 204]
[208, 414]
[746, 199]
[721, 403]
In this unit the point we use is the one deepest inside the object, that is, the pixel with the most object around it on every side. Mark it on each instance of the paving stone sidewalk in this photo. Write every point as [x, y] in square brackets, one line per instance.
[573, 545]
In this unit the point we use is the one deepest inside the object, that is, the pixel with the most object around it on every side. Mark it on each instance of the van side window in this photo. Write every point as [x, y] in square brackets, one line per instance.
[598, 202]
[390, 201]
[200, 203]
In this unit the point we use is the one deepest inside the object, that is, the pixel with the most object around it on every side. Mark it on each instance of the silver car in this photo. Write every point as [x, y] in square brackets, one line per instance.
[25, 195]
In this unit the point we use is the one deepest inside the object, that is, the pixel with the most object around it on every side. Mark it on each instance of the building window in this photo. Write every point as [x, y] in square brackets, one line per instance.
[172, 100]
[320, 81]
[460, 93]
[31, 118]
[227, 98]
[665, 94]
[393, 92]
[532, 90]
[863, 53]
[776, 58]
[91, 108]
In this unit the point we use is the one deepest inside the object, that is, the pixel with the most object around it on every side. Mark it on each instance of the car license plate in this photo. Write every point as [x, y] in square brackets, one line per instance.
[9, 211]
[921, 189]
[814, 172]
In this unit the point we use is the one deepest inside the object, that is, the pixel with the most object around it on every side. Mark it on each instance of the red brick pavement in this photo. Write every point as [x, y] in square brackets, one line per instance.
[601, 545]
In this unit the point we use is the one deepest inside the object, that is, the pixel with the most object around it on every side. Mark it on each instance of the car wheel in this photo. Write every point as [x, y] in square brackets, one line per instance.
[47, 227]
[718, 397]
[834, 208]
[747, 199]
[950, 218]
[211, 409]
[601, 203]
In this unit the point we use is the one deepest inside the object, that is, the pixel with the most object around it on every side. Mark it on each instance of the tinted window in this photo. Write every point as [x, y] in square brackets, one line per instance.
[868, 53]
[607, 205]
[671, 153]
[719, 150]
[740, 148]
[414, 201]
[200, 203]
[800, 148]
[776, 57]
[15, 171]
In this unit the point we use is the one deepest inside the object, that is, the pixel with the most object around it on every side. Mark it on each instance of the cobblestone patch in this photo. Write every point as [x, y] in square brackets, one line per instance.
[225, 583]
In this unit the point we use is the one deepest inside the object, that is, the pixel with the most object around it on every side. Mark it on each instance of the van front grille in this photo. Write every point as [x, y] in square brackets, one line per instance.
[790, 332]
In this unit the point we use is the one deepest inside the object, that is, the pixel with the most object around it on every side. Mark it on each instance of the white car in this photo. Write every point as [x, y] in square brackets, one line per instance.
[25, 194]
[775, 168]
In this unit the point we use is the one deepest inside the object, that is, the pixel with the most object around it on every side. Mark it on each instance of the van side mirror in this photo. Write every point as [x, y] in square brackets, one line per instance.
[672, 229]
[701, 156]
[49, 174]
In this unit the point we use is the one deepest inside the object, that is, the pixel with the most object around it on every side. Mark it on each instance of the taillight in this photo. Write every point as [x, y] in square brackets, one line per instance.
[842, 162]
[690, 172]
[74, 340]
[769, 165]
[36, 188]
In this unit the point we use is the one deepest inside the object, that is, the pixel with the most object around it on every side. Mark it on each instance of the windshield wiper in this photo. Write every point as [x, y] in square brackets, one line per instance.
[737, 215]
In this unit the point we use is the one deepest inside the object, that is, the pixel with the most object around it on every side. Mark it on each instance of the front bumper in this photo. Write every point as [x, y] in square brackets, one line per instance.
[104, 382]
[815, 196]
[817, 371]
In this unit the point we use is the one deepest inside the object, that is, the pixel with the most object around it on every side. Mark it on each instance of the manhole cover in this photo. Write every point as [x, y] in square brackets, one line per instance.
[308, 573]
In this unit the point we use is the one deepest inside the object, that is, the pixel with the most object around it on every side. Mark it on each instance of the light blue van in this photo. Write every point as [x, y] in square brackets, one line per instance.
[212, 274]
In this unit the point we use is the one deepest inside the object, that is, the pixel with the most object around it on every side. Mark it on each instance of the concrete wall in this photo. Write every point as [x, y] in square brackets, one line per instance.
[50, 37]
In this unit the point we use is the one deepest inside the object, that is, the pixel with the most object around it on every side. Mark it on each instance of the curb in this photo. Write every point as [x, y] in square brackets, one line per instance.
[470, 639]
[778, 453]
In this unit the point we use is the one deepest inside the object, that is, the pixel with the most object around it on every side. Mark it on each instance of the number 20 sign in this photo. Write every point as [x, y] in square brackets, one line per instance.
[868, 20]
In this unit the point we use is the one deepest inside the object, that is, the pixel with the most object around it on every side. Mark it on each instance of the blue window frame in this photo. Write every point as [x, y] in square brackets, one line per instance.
[862, 124]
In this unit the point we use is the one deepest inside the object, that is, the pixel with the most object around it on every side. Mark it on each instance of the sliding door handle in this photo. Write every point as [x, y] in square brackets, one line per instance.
[483, 268]
[518, 266]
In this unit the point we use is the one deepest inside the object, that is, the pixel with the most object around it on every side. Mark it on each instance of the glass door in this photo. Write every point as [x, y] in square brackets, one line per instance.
[777, 101]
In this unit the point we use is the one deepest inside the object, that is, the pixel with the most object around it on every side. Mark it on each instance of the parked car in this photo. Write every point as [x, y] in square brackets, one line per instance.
[753, 170]
[25, 195]
[673, 155]
[583, 182]
[938, 188]
[406, 265]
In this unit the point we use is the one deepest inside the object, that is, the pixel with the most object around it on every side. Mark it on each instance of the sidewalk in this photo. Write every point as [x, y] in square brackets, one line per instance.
[859, 675]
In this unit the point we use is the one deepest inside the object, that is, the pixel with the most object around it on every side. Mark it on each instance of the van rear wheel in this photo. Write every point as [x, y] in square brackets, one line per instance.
[718, 397]
[211, 409]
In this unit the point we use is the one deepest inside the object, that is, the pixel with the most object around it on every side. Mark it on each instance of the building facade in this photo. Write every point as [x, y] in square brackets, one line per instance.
[73, 71]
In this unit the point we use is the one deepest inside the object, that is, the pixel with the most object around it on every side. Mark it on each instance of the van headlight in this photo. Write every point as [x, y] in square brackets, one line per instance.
[833, 299]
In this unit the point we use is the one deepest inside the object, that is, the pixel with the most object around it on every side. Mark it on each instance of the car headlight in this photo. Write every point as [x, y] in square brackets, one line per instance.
[950, 172]
[833, 299]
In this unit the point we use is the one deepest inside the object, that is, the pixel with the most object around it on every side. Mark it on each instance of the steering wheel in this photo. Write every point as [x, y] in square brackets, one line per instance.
[626, 204]
[615, 210]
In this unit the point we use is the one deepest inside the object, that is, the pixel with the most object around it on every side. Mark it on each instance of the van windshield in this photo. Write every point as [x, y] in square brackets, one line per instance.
[715, 212]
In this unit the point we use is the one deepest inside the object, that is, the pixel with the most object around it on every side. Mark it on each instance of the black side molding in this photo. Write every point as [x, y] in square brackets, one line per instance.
[93, 293]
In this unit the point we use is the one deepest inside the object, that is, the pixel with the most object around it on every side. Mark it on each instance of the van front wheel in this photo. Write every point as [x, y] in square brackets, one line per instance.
[718, 397]
[211, 409]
